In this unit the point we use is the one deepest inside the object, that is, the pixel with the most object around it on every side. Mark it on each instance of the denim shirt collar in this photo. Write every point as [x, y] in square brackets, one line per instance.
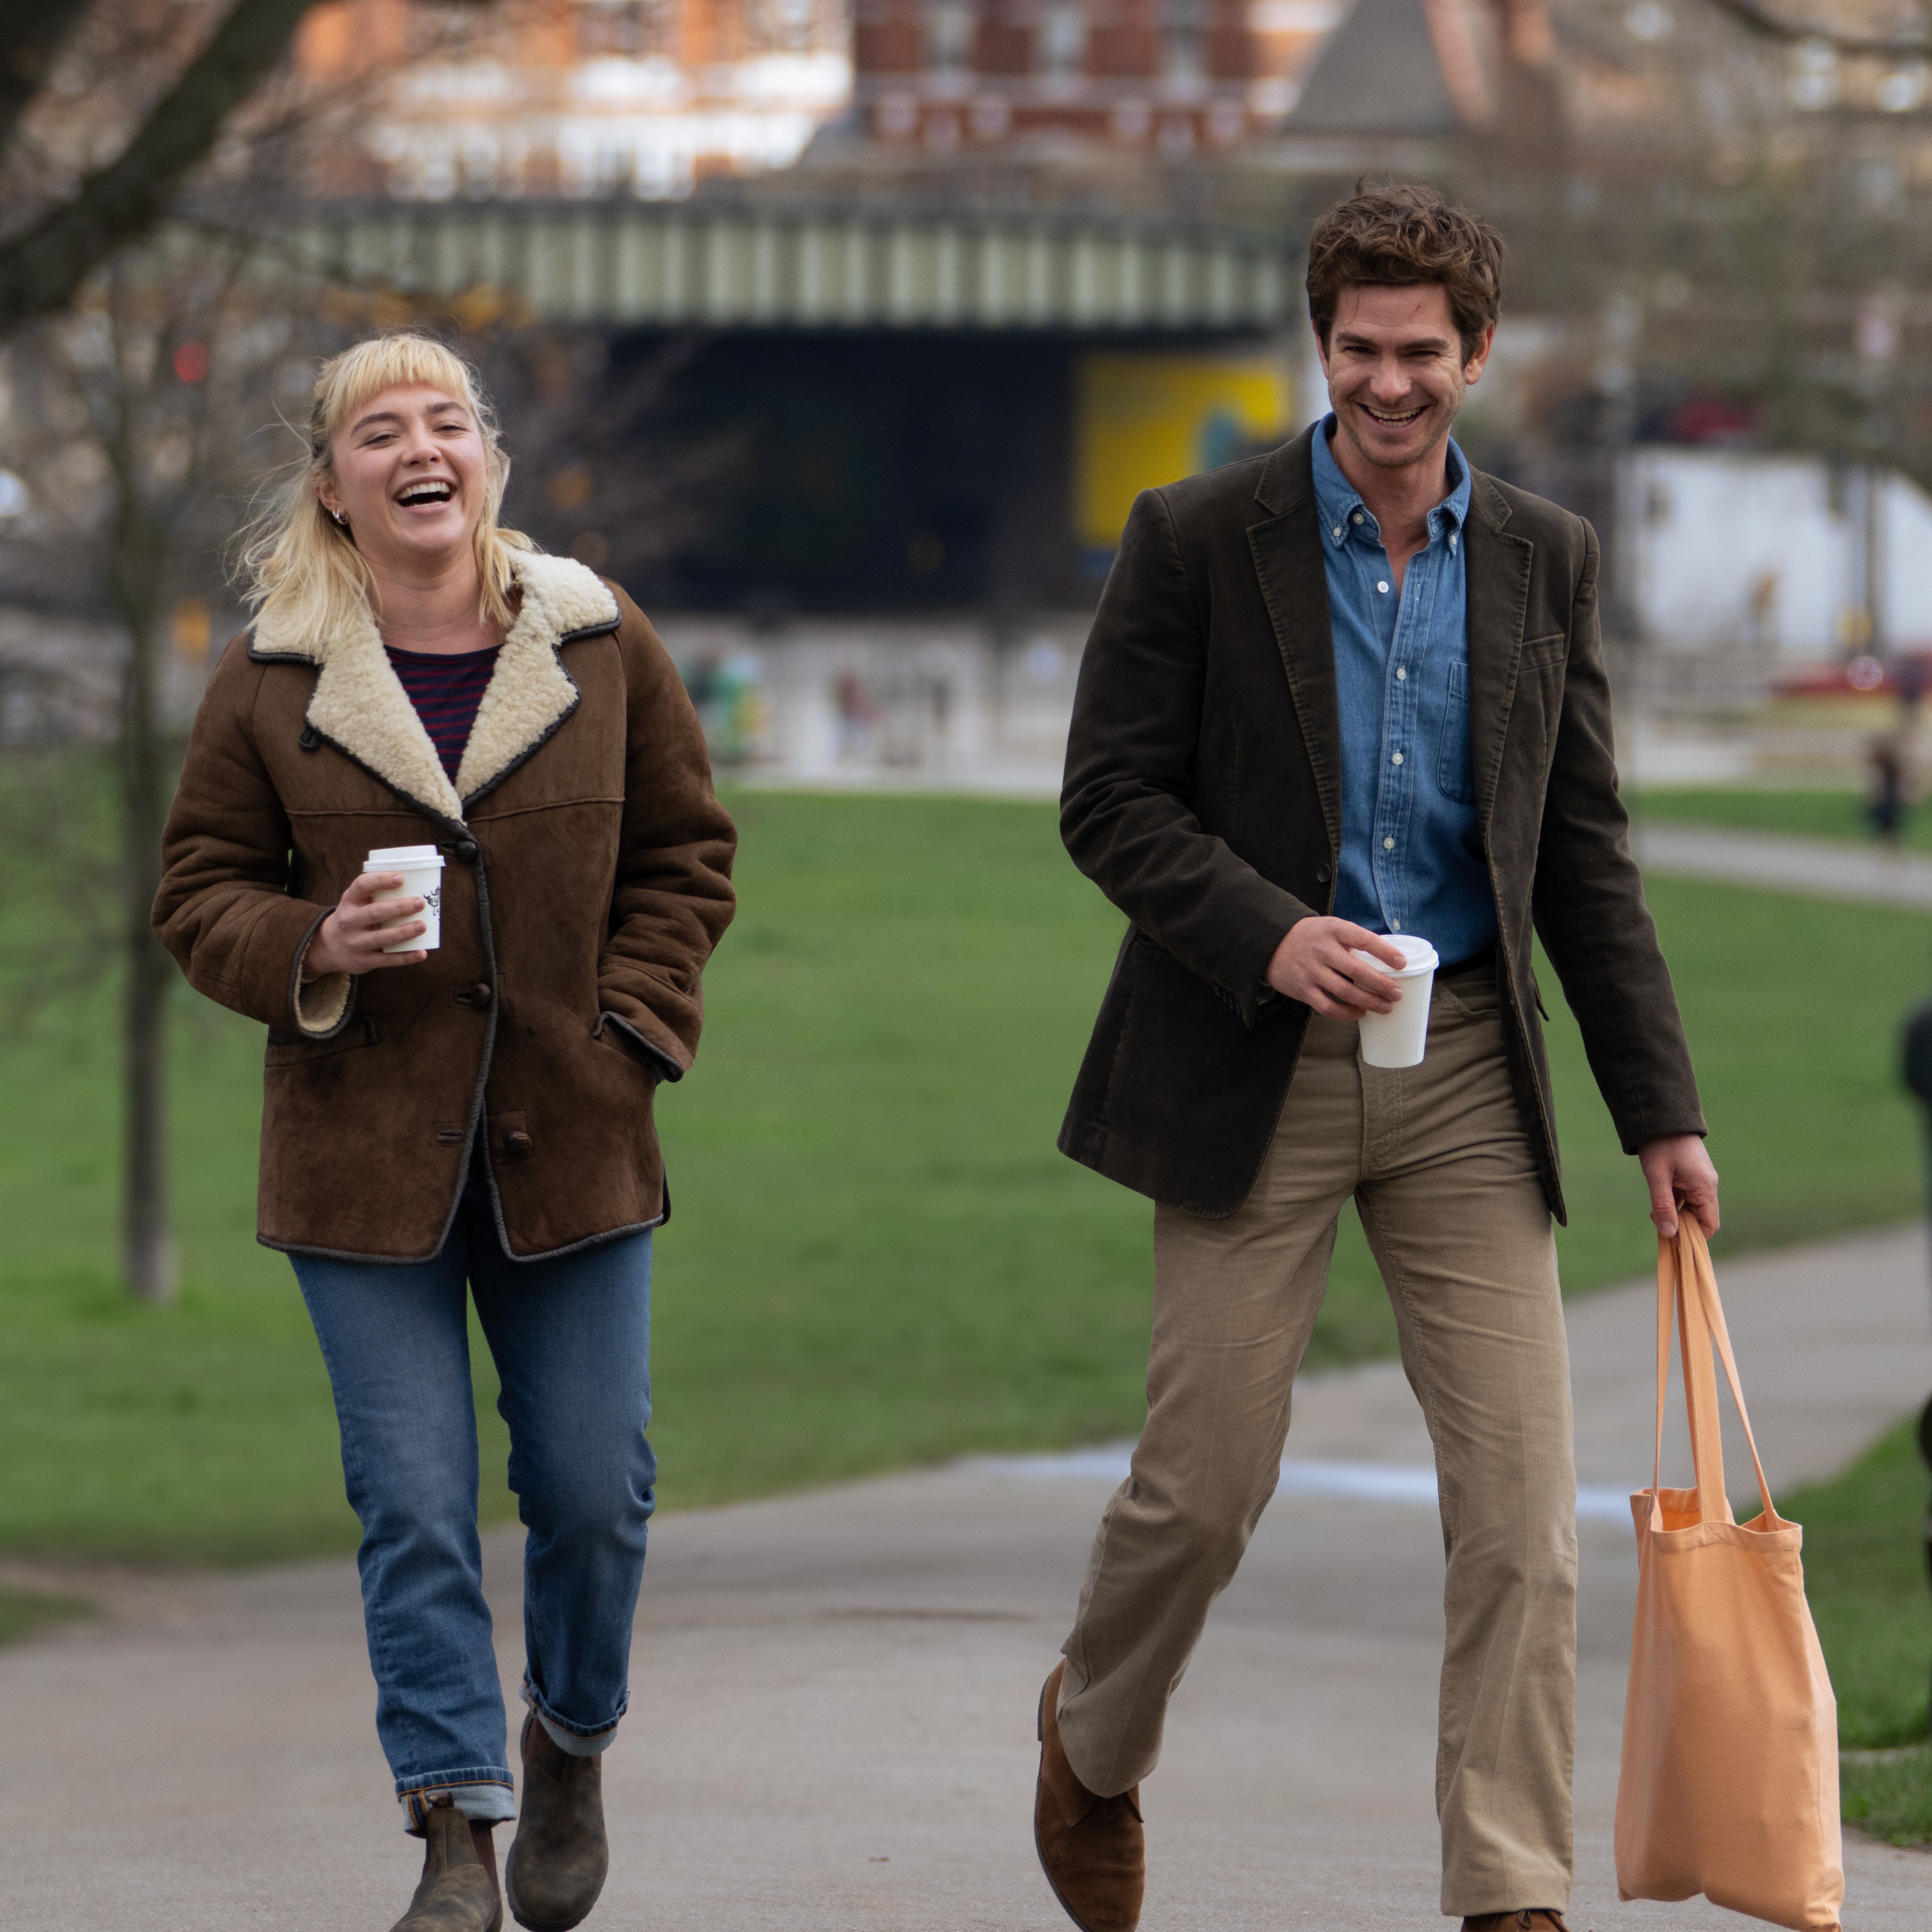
[1339, 501]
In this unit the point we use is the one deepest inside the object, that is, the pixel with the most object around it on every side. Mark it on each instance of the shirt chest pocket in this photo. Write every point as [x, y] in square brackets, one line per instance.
[1455, 772]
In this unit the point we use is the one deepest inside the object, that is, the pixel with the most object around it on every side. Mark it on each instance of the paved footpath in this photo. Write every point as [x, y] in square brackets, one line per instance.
[1815, 868]
[834, 1693]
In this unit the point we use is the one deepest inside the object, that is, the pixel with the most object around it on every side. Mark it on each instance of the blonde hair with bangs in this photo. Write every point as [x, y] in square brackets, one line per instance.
[302, 568]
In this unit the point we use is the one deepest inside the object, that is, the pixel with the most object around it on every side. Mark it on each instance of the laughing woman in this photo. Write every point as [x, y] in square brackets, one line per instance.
[477, 1116]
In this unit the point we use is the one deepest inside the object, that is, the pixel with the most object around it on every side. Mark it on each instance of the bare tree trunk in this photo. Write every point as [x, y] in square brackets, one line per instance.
[147, 1247]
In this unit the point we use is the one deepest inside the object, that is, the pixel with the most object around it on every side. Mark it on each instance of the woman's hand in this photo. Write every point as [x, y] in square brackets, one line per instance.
[351, 939]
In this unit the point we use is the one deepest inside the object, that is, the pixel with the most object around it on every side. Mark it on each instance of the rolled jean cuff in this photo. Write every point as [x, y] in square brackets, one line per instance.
[483, 1800]
[572, 1742]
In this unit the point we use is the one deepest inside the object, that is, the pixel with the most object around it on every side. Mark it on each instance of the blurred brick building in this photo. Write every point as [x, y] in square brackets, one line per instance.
[542, 98]
[538, 98]
[1177, 77]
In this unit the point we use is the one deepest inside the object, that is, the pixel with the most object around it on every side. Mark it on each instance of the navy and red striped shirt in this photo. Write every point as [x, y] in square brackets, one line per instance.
[446, 688]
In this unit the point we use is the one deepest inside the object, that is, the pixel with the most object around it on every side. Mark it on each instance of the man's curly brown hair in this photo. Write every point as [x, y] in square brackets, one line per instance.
[1407, 235]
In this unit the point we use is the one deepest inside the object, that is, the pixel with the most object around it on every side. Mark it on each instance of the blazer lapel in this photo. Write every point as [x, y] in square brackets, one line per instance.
[1497, 564]
[1288, 557]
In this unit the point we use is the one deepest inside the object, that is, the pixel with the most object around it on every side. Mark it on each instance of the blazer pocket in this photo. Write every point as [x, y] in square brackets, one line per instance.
[1455, 771]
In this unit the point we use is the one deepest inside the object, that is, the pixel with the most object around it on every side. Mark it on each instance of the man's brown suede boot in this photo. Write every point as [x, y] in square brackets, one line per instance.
[458, 1891]
[1537, 1919]
[557, 1862]
[1092, 1849]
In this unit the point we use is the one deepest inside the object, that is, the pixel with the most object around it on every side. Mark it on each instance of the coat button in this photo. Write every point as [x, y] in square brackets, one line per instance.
[466, 850]
[479, 994]
[517, 1142]
[1321, 875]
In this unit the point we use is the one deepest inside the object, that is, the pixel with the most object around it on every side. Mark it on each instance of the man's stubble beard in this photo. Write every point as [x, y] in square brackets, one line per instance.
[1368, 456]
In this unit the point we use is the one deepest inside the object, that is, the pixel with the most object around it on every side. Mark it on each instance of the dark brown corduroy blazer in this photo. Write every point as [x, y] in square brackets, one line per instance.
[1203, 796]
[587, 876]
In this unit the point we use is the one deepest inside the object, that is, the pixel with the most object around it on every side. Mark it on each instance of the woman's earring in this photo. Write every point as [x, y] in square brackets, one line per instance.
[341, 520]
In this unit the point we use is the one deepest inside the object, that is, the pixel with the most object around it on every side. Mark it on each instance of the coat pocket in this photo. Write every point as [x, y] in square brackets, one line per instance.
[1455, 769]
[617, 1033]
[288, 1049]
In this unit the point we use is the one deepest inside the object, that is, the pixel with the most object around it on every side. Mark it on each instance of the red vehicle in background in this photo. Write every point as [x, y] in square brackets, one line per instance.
[1904, 674]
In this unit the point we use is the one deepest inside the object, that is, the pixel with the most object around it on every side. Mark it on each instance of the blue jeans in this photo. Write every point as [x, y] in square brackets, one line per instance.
[571, 1338]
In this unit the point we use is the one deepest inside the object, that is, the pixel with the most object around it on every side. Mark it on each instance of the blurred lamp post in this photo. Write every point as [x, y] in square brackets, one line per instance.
[1925, 1454]
[1876, 334]
[1620, 338]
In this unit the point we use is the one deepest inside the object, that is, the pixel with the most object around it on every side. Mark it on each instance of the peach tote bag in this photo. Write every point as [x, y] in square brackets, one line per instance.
[1730, 1778]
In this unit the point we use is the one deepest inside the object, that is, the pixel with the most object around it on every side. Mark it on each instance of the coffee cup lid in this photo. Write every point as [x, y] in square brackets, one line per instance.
[1420, 954]
[402, 858]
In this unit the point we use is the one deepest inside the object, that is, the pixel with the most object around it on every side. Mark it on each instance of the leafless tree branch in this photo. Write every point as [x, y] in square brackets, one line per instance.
[42, 267]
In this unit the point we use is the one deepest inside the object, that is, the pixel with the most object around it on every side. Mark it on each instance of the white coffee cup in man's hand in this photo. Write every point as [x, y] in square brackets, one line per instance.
[1397, 1039]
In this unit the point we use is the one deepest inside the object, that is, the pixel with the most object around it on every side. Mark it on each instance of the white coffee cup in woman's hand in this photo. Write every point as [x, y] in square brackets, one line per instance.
[355, 936]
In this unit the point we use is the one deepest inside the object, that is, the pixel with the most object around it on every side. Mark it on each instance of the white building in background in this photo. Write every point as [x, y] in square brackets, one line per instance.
[1722, 550]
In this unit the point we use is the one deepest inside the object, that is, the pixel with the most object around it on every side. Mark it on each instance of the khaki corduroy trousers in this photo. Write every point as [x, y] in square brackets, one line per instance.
[1441, 1170]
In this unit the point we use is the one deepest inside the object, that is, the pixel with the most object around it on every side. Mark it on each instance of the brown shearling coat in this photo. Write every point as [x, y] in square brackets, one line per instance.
[587, 879]
[1203, 796]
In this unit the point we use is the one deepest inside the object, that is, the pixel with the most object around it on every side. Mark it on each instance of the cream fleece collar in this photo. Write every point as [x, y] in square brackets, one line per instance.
[359, 704]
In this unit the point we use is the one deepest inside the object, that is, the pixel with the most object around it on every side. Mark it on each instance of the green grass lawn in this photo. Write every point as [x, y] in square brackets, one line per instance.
[1865, 1573]
[877, 1255]
[1799, 814]
[1890, 1798]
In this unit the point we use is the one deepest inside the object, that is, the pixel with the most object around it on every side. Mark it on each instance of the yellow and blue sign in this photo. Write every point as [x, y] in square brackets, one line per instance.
[1141, 420]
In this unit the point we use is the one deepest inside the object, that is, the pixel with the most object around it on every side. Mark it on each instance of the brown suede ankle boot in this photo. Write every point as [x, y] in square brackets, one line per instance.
[457, 1892]
[557, 1862]
[1092, 1849]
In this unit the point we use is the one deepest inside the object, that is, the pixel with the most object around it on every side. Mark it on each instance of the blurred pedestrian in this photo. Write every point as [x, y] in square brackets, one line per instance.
[478, 1114]
[1886, 802]
[1336, 700]
[857, 713]
[1908, 673]
[1761, 614]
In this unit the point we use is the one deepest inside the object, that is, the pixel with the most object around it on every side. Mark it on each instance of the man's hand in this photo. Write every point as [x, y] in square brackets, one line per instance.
[351, 939]
[1315, 964]
[1679, 1174]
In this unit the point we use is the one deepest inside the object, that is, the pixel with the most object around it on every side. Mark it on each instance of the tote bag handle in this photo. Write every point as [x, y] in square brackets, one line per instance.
[1686, 1280]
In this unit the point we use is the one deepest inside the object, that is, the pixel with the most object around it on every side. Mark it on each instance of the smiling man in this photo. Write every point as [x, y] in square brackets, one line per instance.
[1345, 692]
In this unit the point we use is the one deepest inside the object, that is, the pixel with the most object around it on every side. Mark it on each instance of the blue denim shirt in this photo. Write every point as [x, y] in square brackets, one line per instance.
[1402, 677]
